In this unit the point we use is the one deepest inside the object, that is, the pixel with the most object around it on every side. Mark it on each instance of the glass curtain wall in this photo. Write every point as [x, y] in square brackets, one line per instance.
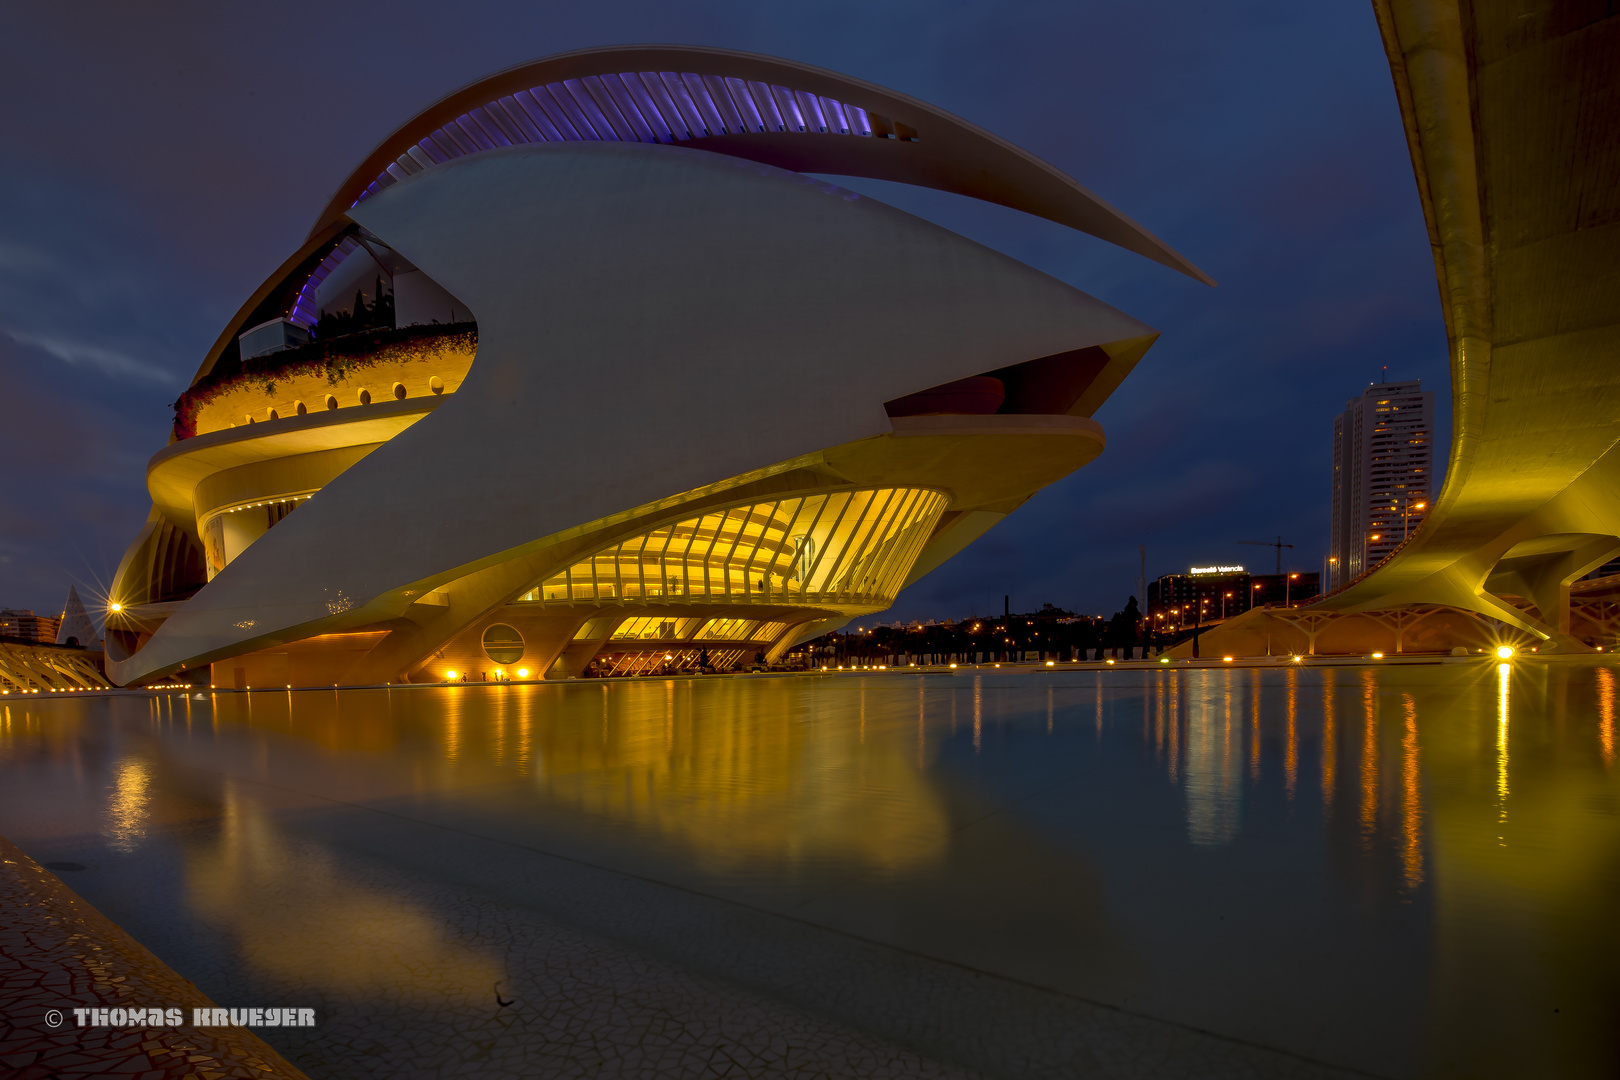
[849, 547]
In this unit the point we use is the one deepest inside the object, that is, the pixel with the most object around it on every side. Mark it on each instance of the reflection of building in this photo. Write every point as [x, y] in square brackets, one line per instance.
[1214, 764]
[717, 406]
[1383, 474]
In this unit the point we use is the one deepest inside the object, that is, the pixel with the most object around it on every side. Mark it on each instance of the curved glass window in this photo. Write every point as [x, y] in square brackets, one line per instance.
[844, 547]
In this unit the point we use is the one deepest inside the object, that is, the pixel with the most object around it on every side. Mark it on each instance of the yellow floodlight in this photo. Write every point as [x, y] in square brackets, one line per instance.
[1504, 652]
[450, 676]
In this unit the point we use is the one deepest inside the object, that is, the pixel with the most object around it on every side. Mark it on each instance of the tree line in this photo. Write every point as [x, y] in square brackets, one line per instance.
[1048, 634]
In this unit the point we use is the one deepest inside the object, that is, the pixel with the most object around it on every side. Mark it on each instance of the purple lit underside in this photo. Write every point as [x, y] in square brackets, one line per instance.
[649, 106]
[304, 311]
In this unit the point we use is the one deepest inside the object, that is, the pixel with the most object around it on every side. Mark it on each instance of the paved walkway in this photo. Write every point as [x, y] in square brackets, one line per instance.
[57, 954]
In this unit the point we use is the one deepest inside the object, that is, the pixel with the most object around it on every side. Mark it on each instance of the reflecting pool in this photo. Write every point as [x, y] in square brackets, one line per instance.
[1401, 871]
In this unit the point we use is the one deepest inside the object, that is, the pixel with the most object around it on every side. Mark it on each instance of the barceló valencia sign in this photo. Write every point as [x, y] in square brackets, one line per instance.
[1216, 570]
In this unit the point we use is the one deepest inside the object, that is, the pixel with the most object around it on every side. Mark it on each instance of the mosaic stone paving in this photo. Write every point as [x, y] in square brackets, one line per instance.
[58, 952]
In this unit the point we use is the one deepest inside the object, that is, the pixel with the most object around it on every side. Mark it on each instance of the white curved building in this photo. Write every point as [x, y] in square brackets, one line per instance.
[649, 390]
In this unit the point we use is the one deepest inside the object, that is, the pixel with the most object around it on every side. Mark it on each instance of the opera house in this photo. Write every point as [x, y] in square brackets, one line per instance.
[586, 370]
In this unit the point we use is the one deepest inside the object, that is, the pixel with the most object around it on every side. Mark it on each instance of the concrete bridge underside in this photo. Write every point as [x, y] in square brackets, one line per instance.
[1512, 114]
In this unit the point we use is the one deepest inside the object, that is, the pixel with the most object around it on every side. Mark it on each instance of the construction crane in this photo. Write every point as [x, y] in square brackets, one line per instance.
[1277, 543]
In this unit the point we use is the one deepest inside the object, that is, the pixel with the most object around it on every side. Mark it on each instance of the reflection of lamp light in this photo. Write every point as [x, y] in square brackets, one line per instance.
[1505, 652]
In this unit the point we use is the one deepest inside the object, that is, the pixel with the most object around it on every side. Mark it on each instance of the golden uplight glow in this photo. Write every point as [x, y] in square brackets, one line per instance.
[523, 673]
[115, 607]
[1504, 652]
[450, 675]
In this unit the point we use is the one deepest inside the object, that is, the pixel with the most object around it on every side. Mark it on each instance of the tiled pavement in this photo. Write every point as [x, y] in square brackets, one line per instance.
[57, 952]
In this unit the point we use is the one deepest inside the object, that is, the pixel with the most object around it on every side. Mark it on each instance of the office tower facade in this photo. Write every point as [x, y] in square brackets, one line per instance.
[1383, 475]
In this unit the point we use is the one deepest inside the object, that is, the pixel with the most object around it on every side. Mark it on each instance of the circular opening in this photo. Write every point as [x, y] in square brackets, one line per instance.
[302, 411]
[503, 644]
[331, 402]
[399, 391]
[436, 385]
[365, 397]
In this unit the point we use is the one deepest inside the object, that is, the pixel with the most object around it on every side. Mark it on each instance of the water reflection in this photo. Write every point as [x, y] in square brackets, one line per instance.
[1400, 869]
[1411, 798]
[1605, 681]
[261, 891]
[1213, 779]
[1504, 680]
[127, 805]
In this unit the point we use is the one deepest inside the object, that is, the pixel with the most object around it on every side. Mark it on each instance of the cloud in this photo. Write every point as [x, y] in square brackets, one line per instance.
[80, 354]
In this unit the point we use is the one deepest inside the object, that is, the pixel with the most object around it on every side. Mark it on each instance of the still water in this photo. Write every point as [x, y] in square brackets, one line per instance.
[1407, 871]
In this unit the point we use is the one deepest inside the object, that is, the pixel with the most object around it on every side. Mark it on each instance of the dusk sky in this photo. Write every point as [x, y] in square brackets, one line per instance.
[162, 159]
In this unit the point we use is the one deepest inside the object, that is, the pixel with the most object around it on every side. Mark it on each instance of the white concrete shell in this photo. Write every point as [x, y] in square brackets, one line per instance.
[652, 320]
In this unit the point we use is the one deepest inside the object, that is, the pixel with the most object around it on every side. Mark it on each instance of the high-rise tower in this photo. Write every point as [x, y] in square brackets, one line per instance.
[1383, 475]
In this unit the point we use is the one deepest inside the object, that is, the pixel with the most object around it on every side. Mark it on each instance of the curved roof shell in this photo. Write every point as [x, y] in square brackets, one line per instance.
[634, 342]
[777, 112]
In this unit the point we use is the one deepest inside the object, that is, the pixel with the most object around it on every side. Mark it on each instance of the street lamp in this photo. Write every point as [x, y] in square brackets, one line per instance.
[1288, 583]
[1224, 598]
[1405, 507]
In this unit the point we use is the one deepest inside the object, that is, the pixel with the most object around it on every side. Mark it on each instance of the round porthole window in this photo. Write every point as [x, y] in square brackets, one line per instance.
[503, 644]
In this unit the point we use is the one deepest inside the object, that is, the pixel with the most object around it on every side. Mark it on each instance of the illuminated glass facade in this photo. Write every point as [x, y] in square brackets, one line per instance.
[844, 548]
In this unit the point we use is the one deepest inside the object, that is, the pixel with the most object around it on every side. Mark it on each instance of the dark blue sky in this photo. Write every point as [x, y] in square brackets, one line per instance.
[162, 159]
